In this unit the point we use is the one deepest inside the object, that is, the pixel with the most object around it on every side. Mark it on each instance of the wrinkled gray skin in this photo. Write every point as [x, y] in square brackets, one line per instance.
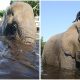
[60, 50]
[18, 55]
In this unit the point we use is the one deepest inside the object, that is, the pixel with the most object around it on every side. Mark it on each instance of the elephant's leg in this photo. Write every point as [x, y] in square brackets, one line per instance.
[50, 53]
[77, 60]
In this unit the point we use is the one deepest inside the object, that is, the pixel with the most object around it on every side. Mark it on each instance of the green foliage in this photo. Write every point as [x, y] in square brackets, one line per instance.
[35, 6]
[1, 13]
[42, 44]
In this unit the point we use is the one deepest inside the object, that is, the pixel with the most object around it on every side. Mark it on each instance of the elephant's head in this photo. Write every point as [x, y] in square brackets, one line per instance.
[19, 24]
[77, 20]
[71, 40]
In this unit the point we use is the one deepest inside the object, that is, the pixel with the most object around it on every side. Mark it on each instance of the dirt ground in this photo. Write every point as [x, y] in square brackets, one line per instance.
[51, 72]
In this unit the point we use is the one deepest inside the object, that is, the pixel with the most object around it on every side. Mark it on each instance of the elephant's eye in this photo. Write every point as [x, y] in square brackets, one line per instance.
[10, 12]
[79, 18]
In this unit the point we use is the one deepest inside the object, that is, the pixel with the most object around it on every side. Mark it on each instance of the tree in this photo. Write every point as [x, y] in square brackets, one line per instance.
[42, 44]
[1, 13]
[35, 6]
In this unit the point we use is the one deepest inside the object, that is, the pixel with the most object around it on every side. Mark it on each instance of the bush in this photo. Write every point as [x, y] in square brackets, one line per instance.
[1, 13]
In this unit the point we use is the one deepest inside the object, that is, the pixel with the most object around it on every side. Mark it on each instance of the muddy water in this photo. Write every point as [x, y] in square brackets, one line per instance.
[51, 72]
[10, 68]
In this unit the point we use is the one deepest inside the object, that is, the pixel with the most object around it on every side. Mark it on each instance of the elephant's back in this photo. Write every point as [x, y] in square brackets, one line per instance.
[53, 41]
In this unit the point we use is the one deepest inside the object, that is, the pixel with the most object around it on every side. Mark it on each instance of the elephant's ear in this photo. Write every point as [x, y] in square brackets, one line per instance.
[69, 41]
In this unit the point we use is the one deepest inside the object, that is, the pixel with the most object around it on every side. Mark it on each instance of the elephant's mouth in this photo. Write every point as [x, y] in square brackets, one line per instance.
[78, 60]
[10, 30]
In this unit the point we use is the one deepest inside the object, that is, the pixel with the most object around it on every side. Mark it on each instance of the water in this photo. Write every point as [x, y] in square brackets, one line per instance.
[10, 68]
[51, 72]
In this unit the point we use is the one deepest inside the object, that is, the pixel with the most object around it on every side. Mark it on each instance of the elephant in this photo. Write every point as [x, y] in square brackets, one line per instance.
[62, 50]
[18, 27]
[18, 32]
[18, 42]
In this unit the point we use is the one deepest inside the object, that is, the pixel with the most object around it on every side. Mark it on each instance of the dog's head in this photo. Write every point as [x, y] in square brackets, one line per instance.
[19, 23]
